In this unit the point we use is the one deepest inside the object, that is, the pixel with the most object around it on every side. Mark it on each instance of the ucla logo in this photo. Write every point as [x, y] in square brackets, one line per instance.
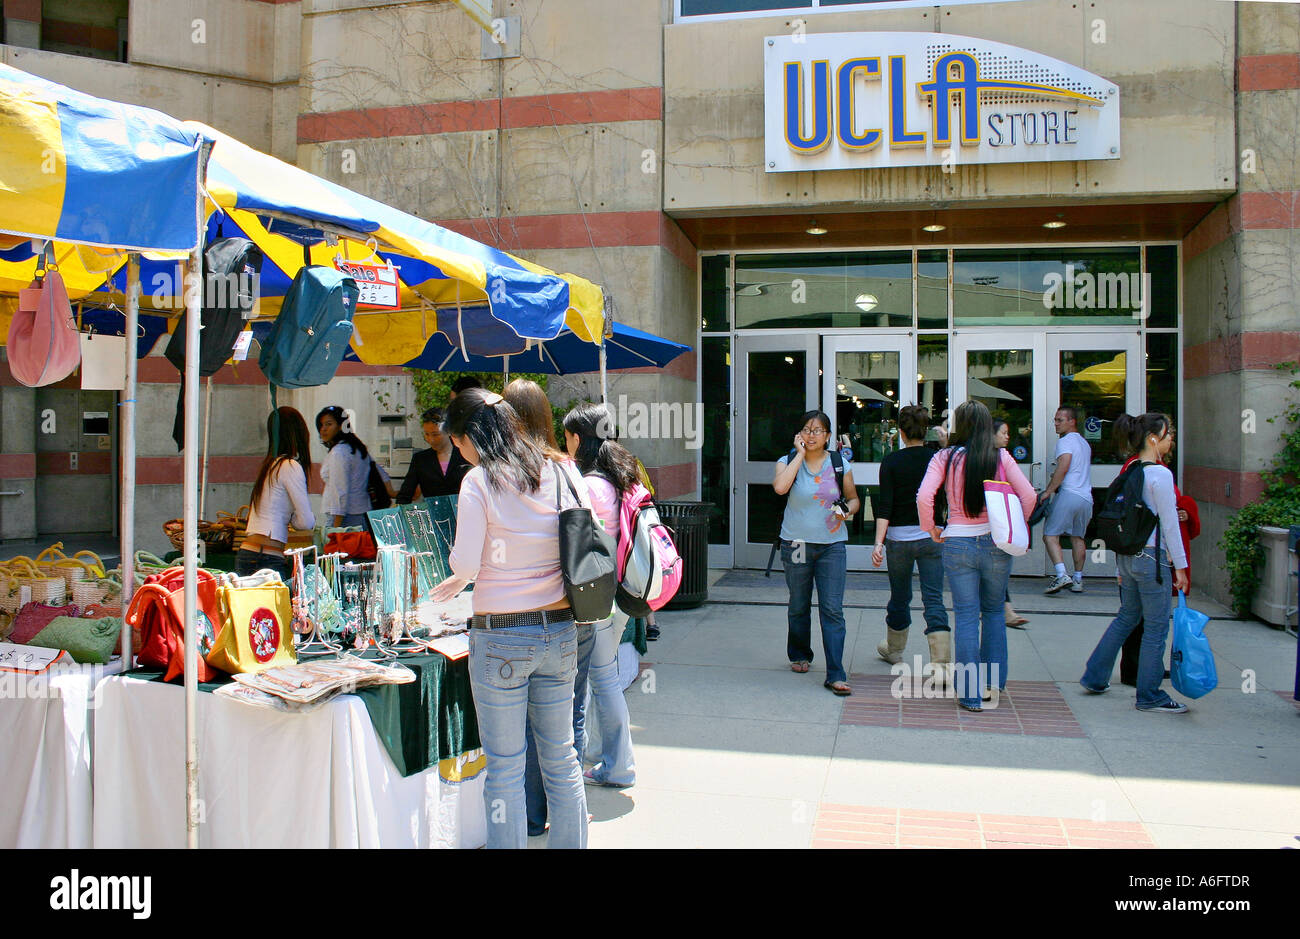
[867, 99]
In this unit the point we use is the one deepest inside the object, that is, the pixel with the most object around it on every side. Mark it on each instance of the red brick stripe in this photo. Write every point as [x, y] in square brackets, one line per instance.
[1229, 488]
[79, 34]
[169, 470]
[1239, 352]
[440, 117]
[88, 464]
[671, 481]
[601, 229]
[26, 10]
[1247, 211]
[17, 465]
[1268, 72]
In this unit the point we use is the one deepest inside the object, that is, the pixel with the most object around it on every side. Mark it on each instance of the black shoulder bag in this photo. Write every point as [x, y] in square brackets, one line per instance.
[587, 558]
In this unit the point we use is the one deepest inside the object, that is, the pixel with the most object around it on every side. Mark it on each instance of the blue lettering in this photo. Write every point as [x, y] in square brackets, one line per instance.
[1071, 129]
[995, 125]
[1051, 128]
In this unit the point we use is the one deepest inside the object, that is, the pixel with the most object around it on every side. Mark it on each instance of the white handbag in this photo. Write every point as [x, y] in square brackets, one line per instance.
[1006, 516]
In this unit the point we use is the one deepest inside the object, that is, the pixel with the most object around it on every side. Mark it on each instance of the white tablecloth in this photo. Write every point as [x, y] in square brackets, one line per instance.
[320, 779]
[45, 757]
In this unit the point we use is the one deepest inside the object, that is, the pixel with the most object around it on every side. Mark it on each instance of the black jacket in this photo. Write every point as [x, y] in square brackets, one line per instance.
[426, 472]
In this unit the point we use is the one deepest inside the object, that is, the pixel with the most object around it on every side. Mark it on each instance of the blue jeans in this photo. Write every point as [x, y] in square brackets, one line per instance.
[518, 674]
[1141, 600]
[978, 572]
[616, 765]
[534, 787]
[827, 565]
[928, 558]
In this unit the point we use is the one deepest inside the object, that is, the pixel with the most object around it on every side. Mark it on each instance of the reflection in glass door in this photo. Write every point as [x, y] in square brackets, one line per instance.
[1004, 371]
[776, 382]
[866, 380]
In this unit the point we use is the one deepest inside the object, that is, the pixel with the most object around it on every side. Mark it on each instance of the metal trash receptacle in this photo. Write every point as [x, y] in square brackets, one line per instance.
[689, 522]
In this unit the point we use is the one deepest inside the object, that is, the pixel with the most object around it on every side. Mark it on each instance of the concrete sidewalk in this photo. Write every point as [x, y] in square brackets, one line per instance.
[735, 750]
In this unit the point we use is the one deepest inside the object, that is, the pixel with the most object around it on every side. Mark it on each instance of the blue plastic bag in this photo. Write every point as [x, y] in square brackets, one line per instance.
[1192, 662]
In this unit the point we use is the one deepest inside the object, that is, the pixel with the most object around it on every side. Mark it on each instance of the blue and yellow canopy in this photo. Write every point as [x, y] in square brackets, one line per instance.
[450, 283]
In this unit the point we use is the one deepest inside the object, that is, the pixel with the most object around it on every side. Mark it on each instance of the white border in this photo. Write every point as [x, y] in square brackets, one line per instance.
[816, 9]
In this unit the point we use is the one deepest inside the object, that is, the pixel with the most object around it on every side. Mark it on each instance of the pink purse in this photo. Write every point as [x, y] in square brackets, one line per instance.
[43, 343]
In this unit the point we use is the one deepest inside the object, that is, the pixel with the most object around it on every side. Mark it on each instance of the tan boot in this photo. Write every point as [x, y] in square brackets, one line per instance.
[941, 655]
[891, 650]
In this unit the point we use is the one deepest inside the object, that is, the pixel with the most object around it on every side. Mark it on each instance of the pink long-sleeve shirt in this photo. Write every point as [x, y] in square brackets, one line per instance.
[508, 542]
[961, 525]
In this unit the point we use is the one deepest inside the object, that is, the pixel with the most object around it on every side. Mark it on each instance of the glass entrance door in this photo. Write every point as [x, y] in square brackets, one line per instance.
[865, 381]
[1023, 379]
[776, 382]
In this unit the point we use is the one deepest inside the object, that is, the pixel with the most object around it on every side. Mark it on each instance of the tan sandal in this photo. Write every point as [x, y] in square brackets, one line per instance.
[800, 666]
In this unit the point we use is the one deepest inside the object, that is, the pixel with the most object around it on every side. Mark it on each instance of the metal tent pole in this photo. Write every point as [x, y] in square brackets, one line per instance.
[604, 387]
[207, 424]
[127, 454]
[193, 304]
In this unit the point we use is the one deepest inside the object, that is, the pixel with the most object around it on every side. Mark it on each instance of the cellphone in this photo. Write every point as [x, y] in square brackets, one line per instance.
[842, 504]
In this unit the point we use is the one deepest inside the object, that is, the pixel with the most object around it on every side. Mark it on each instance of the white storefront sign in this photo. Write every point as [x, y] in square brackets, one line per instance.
[864, 100]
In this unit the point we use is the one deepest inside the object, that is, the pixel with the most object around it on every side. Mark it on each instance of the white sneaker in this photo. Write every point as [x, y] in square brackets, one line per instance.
[1059, 582]
[1076, 586]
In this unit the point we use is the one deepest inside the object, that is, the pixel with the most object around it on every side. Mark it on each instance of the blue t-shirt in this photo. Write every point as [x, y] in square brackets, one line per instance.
[808, 513]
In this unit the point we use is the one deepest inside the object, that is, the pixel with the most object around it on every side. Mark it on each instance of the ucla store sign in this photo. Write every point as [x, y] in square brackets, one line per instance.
[862, 100]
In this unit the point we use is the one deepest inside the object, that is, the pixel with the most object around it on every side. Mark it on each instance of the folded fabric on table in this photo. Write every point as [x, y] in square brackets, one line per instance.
[420, 723]
[34, 617]
[88, 641]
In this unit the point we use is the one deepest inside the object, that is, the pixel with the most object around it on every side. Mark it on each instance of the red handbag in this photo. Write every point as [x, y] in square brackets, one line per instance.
[43, 344]
[34, 617]
[358, 545]
[158, 610]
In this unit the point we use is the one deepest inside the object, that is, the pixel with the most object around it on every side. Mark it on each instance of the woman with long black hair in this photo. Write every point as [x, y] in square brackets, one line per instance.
[1144, 595]
[609, 470]
[279, 496]
[976, 568]
[346, 470]
[523, 640]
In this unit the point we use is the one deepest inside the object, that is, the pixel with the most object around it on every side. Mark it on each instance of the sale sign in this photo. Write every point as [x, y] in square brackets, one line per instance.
[378, 283]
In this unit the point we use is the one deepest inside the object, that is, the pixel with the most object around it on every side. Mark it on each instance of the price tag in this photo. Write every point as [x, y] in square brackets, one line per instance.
[378, 284]
[242, 343]
[28, 659]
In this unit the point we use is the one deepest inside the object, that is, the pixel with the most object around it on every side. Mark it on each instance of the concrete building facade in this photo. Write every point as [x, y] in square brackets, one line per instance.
[632, 144]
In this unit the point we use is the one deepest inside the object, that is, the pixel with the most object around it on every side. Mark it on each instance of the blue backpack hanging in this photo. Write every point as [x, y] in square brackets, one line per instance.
[312, 331]
[1191, 664]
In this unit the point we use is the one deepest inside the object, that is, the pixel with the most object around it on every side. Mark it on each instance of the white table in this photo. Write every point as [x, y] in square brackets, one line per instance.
[46, 724]
[320, 779]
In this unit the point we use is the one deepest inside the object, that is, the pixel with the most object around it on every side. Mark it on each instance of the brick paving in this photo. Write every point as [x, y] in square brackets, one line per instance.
[1029, 708]
[856, 826]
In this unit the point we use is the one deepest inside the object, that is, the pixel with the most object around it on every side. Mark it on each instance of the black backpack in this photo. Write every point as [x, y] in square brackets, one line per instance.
[375, 488]
[1125, 521]
[837, 463]
[231, 267]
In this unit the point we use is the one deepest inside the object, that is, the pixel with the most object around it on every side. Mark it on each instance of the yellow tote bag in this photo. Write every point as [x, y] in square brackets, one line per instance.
[255, 629]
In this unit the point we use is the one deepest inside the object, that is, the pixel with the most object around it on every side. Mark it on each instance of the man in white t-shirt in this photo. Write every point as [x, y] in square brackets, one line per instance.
[1071, 509]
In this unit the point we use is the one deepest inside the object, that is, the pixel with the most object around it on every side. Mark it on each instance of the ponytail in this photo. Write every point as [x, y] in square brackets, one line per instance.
[1130, 431]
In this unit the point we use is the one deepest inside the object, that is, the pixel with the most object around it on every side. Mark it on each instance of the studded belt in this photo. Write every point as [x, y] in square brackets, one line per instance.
[506, 620]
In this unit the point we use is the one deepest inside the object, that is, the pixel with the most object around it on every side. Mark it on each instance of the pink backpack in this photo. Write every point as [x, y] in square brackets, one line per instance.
[43, 344]
[649, 568]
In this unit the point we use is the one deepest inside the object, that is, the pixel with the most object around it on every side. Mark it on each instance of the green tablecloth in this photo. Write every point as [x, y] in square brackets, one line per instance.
[420, 723]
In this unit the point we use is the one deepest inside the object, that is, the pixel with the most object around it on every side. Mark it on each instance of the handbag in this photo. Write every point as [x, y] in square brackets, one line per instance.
[1006, 516]
[587, 558]
[1041, 508]
[43, 343]
[1191, 663]
[357, 545]
[256, 630]
[157, 610]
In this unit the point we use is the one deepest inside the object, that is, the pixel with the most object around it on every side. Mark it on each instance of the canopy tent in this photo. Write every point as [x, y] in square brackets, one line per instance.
[114, 185]
[444, 276]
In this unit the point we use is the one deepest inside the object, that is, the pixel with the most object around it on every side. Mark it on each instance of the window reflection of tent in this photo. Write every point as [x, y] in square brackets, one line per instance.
[1106, 377]
[847, 386]
[982, 389]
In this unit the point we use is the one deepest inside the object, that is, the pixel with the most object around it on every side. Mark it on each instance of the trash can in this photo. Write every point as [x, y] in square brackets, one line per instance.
[689, 522]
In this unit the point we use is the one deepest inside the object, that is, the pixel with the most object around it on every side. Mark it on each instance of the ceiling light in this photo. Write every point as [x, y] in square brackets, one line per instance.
[1055, 223]
[934, 226]
[789, 360]
[866, 302]
[815, 229]
[841, 388]
[890, 392]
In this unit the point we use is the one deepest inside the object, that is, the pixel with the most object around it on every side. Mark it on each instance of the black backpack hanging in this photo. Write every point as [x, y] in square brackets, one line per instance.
[1125, 522]
[231, 267]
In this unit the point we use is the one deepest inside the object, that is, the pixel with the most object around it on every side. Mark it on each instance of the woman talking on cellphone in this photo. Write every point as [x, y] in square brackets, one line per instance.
[814, 534]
